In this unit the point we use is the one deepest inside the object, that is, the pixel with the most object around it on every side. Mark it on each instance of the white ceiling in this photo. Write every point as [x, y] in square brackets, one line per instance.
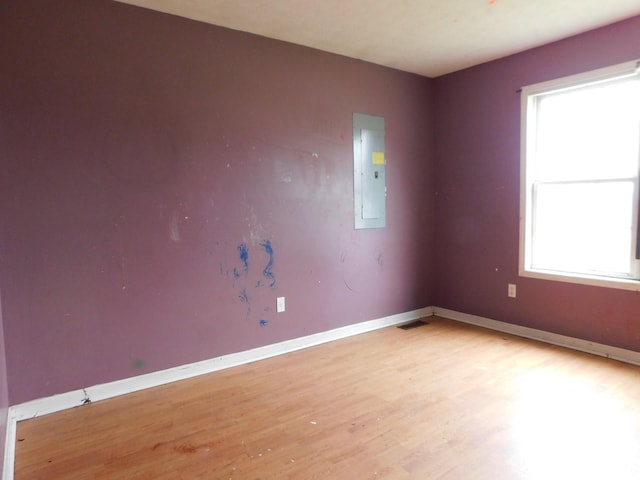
[428, 37]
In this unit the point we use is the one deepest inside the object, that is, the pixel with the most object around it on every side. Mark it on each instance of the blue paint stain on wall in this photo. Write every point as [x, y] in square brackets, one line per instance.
[223, 272]
[243, 251]
[268, 270]
[242, 282]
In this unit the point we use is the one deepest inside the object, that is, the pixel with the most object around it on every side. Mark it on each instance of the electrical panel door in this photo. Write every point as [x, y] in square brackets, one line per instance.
[369, 161]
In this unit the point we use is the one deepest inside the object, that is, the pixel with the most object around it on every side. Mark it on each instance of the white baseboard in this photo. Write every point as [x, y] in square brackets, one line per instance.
[56, 403]
[621, 354]
[94, 393]
[9, 449]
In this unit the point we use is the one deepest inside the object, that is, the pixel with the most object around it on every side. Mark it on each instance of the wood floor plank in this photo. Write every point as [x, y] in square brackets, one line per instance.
[441, 401]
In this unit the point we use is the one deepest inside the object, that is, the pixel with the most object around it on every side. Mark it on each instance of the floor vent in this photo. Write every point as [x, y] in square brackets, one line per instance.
[417, 323]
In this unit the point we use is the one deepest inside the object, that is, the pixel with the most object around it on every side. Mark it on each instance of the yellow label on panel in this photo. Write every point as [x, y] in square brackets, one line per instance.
[378, 158]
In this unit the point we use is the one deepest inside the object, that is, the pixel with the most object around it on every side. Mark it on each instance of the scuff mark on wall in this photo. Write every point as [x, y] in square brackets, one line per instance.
[137, 363]
[174, 230]
[224, 271]
[244, 298]
[256, 232]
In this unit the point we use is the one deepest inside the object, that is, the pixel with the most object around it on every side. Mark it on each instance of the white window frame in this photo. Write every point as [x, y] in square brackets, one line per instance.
[526, 173]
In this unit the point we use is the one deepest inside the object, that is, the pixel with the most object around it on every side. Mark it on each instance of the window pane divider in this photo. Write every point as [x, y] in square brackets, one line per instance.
[579, 182]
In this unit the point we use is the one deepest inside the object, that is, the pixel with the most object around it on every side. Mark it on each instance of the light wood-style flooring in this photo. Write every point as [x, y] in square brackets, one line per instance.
[441, 401]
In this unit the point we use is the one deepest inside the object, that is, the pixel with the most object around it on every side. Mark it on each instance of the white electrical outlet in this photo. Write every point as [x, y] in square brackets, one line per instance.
[280, 304]
[511, 290]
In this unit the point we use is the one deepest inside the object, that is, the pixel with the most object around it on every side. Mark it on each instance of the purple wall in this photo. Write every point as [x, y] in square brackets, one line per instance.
[477, 128]
[4, 394]
[141, 152]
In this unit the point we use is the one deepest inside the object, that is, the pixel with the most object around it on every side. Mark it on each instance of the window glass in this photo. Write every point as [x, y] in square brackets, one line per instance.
[589, 132]
[584, 227]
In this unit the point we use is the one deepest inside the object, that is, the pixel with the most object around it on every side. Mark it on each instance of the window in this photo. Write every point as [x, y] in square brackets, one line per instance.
[579, 189]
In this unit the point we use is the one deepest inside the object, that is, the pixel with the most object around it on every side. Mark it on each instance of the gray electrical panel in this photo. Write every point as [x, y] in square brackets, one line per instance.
[369, 161]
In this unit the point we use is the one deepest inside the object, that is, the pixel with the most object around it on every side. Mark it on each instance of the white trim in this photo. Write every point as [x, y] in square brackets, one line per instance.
[9, 448]
[55, 403]
[620, 70]
[528, 124]
[581, 279]
[621, 354]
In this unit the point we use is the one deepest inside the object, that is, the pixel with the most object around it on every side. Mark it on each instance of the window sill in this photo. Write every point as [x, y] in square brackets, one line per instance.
[580, 279]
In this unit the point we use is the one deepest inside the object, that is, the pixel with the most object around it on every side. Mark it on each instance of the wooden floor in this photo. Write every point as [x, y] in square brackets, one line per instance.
[442, 401]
